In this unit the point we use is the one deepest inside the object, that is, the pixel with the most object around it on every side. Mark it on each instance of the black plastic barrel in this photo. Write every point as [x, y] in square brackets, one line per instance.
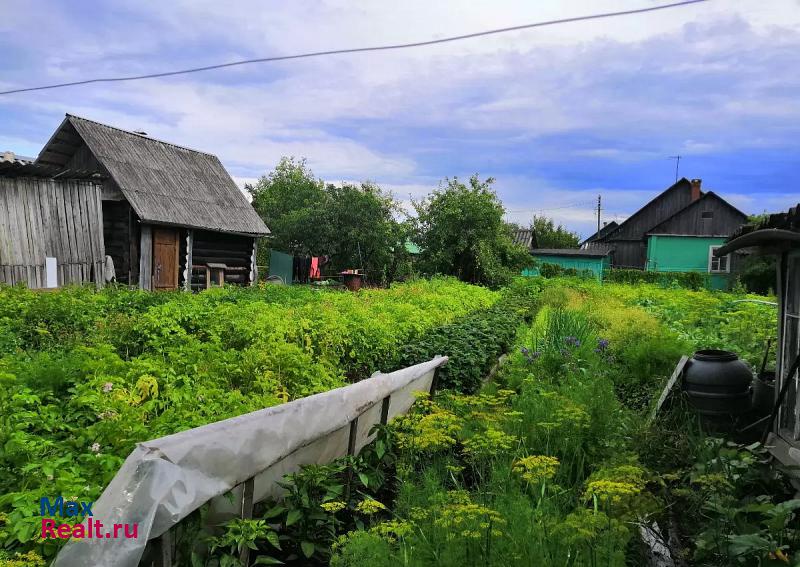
[717, 383]
[764, 393]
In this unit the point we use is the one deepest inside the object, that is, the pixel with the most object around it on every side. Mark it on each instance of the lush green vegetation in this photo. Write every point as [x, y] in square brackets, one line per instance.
[553, 462]
[689, 280]
[562, 467]
[85, 375]
[353, 224]
[461, 232]
[551, 235]
[459, 228]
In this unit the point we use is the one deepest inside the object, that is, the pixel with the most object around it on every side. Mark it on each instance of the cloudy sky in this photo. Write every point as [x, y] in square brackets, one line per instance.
[557, 115]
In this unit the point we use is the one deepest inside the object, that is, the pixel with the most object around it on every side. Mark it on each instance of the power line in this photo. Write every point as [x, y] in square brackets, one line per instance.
[357, 49]
[570, 206]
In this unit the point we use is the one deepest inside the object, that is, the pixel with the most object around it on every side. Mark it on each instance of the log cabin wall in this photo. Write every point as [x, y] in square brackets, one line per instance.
[42, 218]
[233, 250]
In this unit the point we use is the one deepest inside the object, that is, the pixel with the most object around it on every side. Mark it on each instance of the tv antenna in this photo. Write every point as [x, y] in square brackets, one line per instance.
[677, 165]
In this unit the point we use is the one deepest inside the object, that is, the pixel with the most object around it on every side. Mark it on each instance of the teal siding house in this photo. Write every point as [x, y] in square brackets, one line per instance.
[594, 261]
[677, 231]
[674, 253]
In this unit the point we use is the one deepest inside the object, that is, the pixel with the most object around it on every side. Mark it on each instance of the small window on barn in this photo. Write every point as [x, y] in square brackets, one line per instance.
[718, 265]
[707, 214]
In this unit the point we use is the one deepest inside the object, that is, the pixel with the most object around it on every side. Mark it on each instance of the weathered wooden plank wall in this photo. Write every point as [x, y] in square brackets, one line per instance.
[46, 217]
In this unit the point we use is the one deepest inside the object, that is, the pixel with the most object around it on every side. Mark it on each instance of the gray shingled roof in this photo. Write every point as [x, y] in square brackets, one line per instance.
[524, 237]
[163, 182]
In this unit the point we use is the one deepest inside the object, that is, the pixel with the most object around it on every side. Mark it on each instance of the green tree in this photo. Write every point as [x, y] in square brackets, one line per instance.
[361, 231]
[548, 235]
[353, 224]
[461, 232]
[291, 202]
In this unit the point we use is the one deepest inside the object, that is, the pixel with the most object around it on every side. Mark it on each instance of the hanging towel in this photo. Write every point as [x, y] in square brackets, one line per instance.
[314, 272]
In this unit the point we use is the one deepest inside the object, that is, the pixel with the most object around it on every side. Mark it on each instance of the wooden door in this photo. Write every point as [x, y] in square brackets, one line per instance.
[165, 258]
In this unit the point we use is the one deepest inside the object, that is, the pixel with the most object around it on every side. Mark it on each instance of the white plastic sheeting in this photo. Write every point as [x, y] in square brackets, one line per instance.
[164, 480]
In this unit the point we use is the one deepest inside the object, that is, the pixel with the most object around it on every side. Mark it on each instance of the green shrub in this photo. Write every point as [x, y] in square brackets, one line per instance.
[688, 280]
[474, 342]
[548, 270]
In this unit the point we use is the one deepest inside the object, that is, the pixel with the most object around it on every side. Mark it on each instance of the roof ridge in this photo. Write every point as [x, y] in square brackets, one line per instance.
[648, 203]
[704, 195]
[145, 136]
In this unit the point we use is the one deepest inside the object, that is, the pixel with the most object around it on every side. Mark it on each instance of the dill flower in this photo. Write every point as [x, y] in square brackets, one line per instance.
[392, 530]
[369, 506]
[29, 559]
[488, 444]
[713, 482]
[332, 507]
[417, 514]
[432, 432]
[584, 527]
[572, 415]
[610, 491]
[468, 517]
[536, 468]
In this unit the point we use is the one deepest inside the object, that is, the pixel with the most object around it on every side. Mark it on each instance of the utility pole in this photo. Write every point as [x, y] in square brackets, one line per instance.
[598, 214]
[677, 165]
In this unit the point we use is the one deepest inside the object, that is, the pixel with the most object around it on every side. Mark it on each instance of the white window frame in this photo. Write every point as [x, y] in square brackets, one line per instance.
[711, 259]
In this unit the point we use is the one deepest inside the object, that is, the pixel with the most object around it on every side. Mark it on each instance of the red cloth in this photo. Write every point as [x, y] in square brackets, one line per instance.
[314, 272]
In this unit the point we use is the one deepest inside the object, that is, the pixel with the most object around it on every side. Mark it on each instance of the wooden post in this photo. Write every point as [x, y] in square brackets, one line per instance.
[253, 266]
[385, 410]
[247, 514]
[163, 550]
[435, 381]
[146, 258]
[351, 450]
[187, 283]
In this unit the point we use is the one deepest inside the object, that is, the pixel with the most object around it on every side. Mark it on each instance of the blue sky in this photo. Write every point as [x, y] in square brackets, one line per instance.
[557, 115]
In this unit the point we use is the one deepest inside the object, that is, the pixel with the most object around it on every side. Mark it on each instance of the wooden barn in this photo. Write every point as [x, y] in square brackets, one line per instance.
[171, 217]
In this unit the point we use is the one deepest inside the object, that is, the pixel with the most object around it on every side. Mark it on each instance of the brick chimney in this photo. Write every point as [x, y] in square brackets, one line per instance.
[696, 189]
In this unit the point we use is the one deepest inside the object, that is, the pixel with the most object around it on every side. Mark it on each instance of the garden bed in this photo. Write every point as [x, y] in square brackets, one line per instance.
[553, 462]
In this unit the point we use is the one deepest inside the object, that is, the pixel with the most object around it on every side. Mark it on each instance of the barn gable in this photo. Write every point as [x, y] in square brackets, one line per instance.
[164, 183]
[710, 215]
[673, 199]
